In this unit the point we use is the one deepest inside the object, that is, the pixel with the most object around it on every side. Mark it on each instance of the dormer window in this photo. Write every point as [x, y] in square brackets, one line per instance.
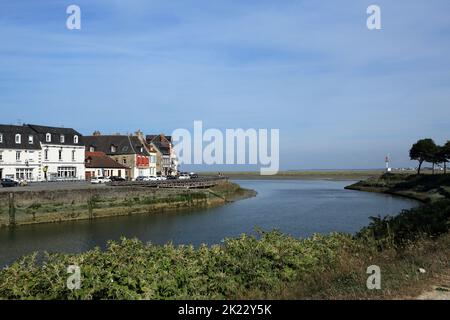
[18, 138]
[75, 139]
[113, 148]
[91, 149]
[30, 139]
[62, 138]
[1, 137]
[48, 137]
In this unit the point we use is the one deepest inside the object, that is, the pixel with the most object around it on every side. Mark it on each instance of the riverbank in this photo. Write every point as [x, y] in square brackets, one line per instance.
[333, 175]
[412, 250]
[273, 266]
[424, 188]
[58, 205]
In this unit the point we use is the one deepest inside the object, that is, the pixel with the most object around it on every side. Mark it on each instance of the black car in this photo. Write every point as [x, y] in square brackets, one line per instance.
[117, 179]
[8, 183]
[171, 177]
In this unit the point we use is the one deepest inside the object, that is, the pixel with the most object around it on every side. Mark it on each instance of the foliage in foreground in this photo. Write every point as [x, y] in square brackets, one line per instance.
[133, 270]
[271, 265]
[431, 219]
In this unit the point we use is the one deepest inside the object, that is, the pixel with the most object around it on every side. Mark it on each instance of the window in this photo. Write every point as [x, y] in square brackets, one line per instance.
[60, 154]
[124, 160]
[113, 148]
[18, 138]
[67, 172]
[46, 154]
[48, 137]
[73, 155]
[1, 156]
[1, 137]
[30, 139]
[62, 138]
[24, 174]
[18, 155]
[91, 149]
[75, 139]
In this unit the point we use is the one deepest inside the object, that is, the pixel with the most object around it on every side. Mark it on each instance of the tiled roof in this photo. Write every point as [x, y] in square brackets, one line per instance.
[8, 133]
[122, 144]
[160, 142]
[68, 133]
[101, 160]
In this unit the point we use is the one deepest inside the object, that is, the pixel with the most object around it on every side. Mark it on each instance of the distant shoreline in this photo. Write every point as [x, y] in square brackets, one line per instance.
[335, 175]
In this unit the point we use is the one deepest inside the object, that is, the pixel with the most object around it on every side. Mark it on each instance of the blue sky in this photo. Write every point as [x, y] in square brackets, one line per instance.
[341, 95]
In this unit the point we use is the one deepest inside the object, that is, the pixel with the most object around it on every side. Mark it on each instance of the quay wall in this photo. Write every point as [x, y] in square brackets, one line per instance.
[29, 207]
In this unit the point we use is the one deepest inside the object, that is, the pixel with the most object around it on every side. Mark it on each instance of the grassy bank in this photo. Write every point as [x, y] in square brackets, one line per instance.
[270, 265]
[46, 206]
[305, 175]
[425, 188]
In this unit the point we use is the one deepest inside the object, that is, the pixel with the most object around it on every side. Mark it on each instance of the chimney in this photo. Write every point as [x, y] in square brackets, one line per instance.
[97, 133]
[140, 135]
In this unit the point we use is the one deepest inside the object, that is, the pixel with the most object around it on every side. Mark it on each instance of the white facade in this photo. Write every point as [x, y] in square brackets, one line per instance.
[62, 162]
[105, 172]
[29, 153]
[152, 163]
[19, 164]
[173, 161]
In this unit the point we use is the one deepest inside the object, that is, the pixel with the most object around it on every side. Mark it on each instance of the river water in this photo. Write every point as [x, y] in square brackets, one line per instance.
[296, 207]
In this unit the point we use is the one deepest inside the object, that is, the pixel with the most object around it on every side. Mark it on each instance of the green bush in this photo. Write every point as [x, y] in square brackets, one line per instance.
[133, 270]
[431, 219]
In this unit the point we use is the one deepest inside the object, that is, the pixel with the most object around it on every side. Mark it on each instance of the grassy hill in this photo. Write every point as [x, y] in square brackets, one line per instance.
[421, 187]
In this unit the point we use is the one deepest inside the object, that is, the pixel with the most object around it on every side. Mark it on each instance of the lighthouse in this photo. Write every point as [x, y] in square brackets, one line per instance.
[387, 160]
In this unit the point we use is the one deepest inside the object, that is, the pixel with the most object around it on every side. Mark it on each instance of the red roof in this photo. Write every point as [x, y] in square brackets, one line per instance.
[99, 159]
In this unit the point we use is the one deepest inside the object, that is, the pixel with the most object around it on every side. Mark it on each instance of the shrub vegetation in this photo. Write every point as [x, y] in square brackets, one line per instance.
[267, 265]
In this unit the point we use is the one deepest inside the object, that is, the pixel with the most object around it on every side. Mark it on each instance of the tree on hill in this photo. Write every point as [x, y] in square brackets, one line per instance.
[433, 156]
[423, 150]
[444, 155]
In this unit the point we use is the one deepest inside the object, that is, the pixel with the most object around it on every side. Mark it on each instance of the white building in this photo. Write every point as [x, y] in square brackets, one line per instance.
[98, 164]
[20, 153]
[62, 156]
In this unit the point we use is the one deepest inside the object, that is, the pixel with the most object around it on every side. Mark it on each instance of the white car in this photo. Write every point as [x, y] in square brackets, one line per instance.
[184, 176]
[161, 178]
[100, 180]
[152, 178]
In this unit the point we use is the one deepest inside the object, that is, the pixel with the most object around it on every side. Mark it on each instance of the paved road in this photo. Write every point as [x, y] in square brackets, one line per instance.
[44, 186]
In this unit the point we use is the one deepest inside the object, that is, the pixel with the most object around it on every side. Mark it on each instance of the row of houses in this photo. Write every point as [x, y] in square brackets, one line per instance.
[41, 153]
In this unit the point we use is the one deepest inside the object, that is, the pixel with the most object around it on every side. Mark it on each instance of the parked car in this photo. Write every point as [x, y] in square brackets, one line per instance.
[117, 179]
[100, 180]
[142, 178]
[171, 177]
[153, 178]
[193, 175]
[8, 183]
[184, 176]
[161, 178]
